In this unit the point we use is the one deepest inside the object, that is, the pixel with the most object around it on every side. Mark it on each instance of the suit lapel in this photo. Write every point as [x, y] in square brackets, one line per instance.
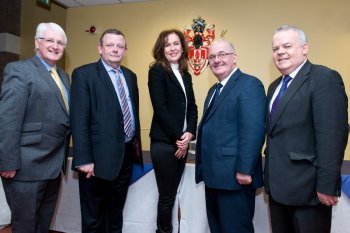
[129, 82]
[106, 81]
[174, 79]
[66, 84]
[270, 92]
[206, 103]
[227, 89]
[64, 79]
[297, 82]
[207, 99]
[44, 74]
[186, 79]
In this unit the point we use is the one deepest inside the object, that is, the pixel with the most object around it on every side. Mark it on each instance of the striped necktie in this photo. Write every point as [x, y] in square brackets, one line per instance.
[124, 105]
[59, 83]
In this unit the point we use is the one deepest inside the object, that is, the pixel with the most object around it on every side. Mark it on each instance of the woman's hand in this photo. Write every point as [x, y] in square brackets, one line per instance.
[184, 141]
[182, 145]
[180, 153]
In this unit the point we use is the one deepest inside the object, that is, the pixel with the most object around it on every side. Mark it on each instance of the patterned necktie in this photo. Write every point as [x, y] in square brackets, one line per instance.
[124, 105]
[216, 94]
[284, 86]
[59, 83]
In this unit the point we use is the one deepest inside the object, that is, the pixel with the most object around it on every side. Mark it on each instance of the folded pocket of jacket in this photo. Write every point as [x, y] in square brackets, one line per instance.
[302, 156]
[229, 151]
[31, 139]
[31, 127]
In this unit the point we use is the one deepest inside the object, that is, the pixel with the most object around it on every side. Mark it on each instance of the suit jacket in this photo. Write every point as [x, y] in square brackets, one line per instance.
[307, 137]
[97, 120]
[169, 105]
[33, 121]
[232, 133]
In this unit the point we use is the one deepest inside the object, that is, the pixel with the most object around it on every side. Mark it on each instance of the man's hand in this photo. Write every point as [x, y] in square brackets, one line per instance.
[327, 200]
[243, 179]
[8, 174]
[88, 169]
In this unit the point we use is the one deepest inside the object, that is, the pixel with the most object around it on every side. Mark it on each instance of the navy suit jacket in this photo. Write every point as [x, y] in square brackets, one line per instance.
[307, 137]
[97, 120]
[231, 135]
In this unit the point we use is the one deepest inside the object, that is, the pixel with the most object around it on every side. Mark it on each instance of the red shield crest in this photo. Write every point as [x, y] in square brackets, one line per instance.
[198, 38]
[198, 59]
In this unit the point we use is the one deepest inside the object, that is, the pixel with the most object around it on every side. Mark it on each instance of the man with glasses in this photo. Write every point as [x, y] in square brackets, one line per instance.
[106, 134]
[34, 129]
[230, 138]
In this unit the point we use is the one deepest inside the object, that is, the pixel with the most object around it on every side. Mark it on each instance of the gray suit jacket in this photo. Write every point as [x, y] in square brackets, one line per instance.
[33, 121]
[307, 137]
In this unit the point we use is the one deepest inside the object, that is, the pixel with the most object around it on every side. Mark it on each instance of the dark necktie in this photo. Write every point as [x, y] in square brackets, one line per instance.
[216, 95]
[284, 86]
[211, 104]
[124, 105]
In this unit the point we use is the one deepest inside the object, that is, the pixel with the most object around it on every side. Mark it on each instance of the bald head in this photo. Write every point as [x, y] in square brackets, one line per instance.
[222, 59]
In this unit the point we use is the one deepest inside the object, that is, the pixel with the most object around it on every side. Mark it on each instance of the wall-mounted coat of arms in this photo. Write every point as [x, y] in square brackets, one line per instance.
[199, 36]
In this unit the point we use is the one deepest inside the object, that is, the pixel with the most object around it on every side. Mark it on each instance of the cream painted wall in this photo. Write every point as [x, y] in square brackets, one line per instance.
[250, 26]
[32, 15]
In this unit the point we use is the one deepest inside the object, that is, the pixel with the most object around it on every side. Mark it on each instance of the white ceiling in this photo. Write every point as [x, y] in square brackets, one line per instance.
[82, 3]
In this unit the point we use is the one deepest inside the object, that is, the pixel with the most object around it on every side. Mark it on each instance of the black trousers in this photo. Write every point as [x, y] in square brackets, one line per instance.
[102, 201]
[300, 219]
[32, 204]
[168, 170]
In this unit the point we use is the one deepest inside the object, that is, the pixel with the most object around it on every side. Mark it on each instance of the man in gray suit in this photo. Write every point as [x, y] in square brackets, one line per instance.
[307, 133]
[34, 129]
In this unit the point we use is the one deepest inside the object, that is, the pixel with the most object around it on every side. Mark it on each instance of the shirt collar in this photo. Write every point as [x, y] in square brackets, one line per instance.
[223, 82]
[110, 68]
[295, 72]
[47, 65]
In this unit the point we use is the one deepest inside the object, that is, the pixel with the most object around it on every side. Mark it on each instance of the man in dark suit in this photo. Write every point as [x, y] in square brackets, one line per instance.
[230, 137]
[34, 129]
[307, 134]
[106, 134]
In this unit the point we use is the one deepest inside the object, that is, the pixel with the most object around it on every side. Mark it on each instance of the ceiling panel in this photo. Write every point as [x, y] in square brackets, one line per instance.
[68, 3]
[82, 3]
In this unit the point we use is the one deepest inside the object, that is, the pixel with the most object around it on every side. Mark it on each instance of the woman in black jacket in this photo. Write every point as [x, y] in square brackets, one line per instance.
[174, 120]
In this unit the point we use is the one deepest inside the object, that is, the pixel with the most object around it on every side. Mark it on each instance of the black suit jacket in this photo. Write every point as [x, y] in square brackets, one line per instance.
[97, 119]
[307, 137]
[169, 105]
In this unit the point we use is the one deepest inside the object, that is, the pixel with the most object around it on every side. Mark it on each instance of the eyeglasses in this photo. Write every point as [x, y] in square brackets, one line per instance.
[220, 56]
[50, 41]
